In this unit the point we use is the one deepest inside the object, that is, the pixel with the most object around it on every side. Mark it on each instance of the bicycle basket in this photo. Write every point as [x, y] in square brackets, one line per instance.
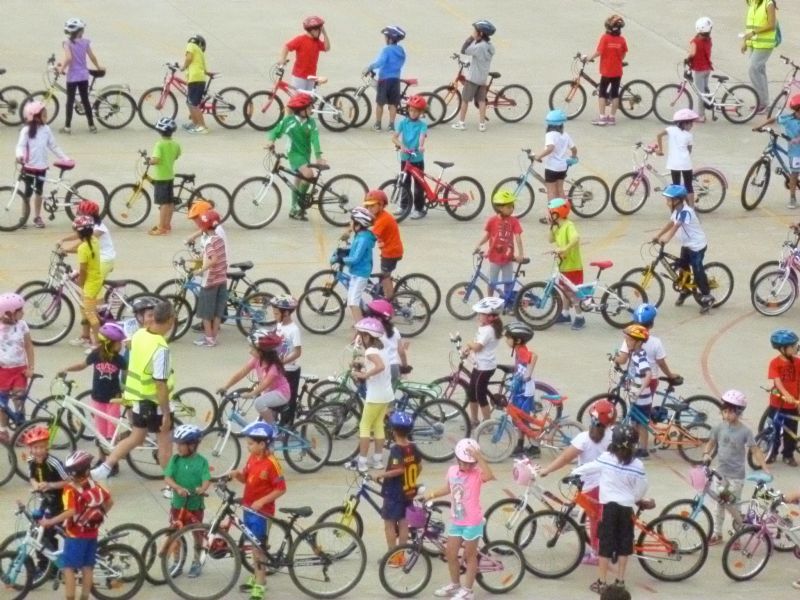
[698, 478]
[415, 516]
[523, 472]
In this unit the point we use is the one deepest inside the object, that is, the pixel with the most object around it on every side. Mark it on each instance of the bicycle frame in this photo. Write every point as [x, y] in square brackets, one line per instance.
[583, 292]
[422, 178]
[7, 400]
[320, 106]
[531, 426]
[774, 151]
[60, 185]
[509, 287]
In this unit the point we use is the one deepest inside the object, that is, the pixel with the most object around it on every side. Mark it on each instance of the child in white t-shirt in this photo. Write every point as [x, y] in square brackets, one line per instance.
[484, 352]
[679, 156]
[558, 155]
[392, 341]
[282, 308]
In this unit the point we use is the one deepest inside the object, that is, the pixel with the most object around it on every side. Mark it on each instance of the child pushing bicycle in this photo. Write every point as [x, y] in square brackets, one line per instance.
[784, 372]
[409, 138]
[564, 235]
[791, 127]
[503, 232]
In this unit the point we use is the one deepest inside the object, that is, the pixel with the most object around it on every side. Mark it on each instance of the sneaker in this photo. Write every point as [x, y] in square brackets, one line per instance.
[590, 558]
[792, 203]
[377, 464]
[167, 492]
[65, 130]
[482, 127]
[203, 341]
[176, 569]
[578, 323]
[397, 560]
[447, 591]
[376, 127]
[101, 472]
[611, 121]
[199, 129]
[188, 126]
[642, 453]
[533, 452]
[248, 585]
[459, 125]
[38, 223]
[464, 594]
[598, 586]
[298, 215]
[357, 465]
[600, 121]
[398, 211]
[417, 214]
[390, 127]
[257, 592]
[706, 303]
[562, 318]
[681, 298]
[195, 570]
[715, 539]
[790, 461]
[796, 584]
[93, 129]
[81, 342]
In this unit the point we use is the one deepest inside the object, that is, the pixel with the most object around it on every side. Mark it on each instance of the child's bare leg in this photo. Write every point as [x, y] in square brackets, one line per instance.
[559, 185]
[614, 106]
[379, 442]
[473, 412]
[378, 114]
[486, 412]
[69, 583]
[165, 216]
[471, 558]
[37, 205]
[793, 186]
[462, 113]
[602, 568]
[87, 574]
[643, 436]
[356, 312]
[482, 110]
[392, 113]
[363, 447]
[622, 563]
[453, 544]
[390, 532]
[260, 572]
[602, 103]
[402, 532]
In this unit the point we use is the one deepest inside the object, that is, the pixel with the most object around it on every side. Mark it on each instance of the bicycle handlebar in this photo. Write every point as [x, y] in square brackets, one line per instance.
[788, 61]
[772, 132]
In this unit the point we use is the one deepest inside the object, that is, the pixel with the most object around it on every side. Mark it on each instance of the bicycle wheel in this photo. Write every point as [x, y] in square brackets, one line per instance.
[50, 101]
[151, 556]
[14, 209]
[538, 307]
[115, 108]
[700, 409]
[342, 425]
[131, 534]
[143, 460]
[669, 99]
[338, 196]
[746, 553]
[512, 103]
[692, 441]
[636, 99]
[435, 109]
[460, 298]
[353, 521]
[314, 566]
[16, 575]
[709, 190]
[129, 205]
[690, 509]
[12, 97]
[183, 316]
[561, 434]
[399, 198]
[756, 182]
[503, 517]
[62, 443]
[194, 406]
[263, 110]
[671, 548]
[568, 96]
[216, 195]
[47, 408]
[338, 112]
[154, 104]
[227, 107]
[118, 572]
[320, 310]
[588, 196]
[523, 193]
[438, 425]
[8, 463]
[309, 449]
[464, 198]
[650, 281]
[762, 269]
[501, 567]
[255, 204]
[775, 109]
[552, 544]
[620, 408]
[404, 571]
[497, 438]
[222, 449]
[629, 193]
[86, 189]
[774, 293]
[451, 97]
[49, 315]
[363, 102]
[253, 312]
[421, 284]
[619, 301]
[267, 285]
[740, 104]
[720, 283]
[412, 313]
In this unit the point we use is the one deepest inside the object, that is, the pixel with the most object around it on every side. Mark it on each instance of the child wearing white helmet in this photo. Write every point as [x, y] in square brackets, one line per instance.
[16, 356]
[699, 61]
[680, 140]
[359, 260]
[484, 351]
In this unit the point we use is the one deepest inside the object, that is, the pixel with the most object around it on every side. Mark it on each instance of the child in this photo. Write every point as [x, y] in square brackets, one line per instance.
[196, 210]
[359, 259]
[699, 61]
[409, 138]
[731, 440]
[377, 375]
[399, 483]
[679, 159]
[640, 375]
[282, 308]
[481, 50]
[188, 476]
[272, 390]
[16, 357]
[35, 139]
[306, 47]
[784, 371]
[503, 231]
[165, 152]
[791, 127]
[214, 294]
[263, 484]
[386, 230]
[564, 235]
[389, 65]
[85, 506]
[90, 278]
[392, 342]
[142, 308]
[194, 63]
[560, 152]
[622, 482]
[76, 49]
[684, 222]
[517, 336]
[611, 49]
[464, 482]
[303, 136]
[484, 349]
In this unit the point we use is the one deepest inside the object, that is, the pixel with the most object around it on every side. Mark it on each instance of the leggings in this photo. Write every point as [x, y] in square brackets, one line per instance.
[105, 427]
[687, 177]
[82, 88]
[478, 390]
[419, 192]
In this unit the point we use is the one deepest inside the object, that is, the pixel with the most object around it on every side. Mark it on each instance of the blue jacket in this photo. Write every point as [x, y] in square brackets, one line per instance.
[360, 257]
[389, 62]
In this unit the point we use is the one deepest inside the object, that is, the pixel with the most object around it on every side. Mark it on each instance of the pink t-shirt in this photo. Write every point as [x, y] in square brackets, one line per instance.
[465, 496]
[279, 384]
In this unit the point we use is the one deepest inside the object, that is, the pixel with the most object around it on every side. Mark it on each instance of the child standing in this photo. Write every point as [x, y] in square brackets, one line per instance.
[484, 351]
[699, 61]
[790, 122]
[283, 307]
[142, 309]
[517, 335]
[481, 51]
[679, 159]
[389, 65]
[306, 47]
[731, 439]
[90, 278]
[784, 371]
[196, 210]
[464, 482]
[640, 375]
[214, 295]
[392, 342]
[503, 231]
[558, 155]
[359, 260]
[76, 49]
[386, 230]
[165, 152]
[16, 357]
[564, 236]
[194, 63]
[611, 49]
[409, 138]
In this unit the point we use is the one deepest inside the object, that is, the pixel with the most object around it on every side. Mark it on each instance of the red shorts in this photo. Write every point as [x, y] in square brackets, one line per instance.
[575, 277]
[197, 515]
[13, 378]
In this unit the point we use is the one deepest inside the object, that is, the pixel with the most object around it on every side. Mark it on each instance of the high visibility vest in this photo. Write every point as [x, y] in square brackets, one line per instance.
[757, 18]
[139, 382]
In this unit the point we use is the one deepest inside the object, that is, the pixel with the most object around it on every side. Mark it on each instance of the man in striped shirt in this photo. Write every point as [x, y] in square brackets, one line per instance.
[214, 295]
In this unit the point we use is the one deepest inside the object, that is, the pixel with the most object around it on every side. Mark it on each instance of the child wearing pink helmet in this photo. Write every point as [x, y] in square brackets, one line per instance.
[392, 341]
[679, 156]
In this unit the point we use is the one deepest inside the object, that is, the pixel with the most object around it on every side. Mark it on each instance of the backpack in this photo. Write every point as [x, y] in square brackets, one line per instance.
[89, 512]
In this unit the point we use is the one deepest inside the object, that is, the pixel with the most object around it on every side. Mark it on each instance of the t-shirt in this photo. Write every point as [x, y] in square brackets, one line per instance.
[306, 49]
[465, 495]
[379, 386]
[33, 151]
[502, 231]
[637, 369]
[106, 375]
[788, 371]
[563, 234]
[387, 231]
[189, 472]
[486, 357]
[220, 231]
[214, 249]
[390, 61]
[405, 485]
[620, 483]
[86, 500]
[107, 252]
[653, 349]
[167, 151]
[77, 70]
[590, 451]
[280, 384]
[411, 132]
[291, 340]
[562, 144]
[791, 127]
[732, 442]
[89, 255]
[12, 344]
[481, 53]
[303, 137]
[196, 71]
[690, 233]
[49, 471]
[701, 61]
[522, 359]
[391, 346]
[612, 49]
[262, 475]
[679, 157]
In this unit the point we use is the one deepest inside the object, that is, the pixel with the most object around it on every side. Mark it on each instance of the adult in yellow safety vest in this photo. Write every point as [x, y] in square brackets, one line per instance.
[760, 38]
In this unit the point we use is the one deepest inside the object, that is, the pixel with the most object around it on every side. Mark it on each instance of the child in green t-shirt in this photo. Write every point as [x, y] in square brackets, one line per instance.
[564, 235]
[165, 152]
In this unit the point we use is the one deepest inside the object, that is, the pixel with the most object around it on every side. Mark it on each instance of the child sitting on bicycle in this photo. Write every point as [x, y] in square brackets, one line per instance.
[484, 351]
[684, 222]
[564, 235]
[272, 390]
[89, 279]
[359, 259]
[409, 138]
[622, 482]
[503, 232]
[283, 308]
[790, 121]
[523, 387]
[679, 157]
[784, 371]
[731, 440]
[699, 61]
[385, 228]
[165, 152]
[389, 66]
[306, 47]
[213, 296]
[464, 482]
[16, 358]
[479, 48]
[194, 63]
[76, 50]
[303, 136]
[640, 376]
[188, 475]
[392, 341]
[560, 153]
[263, 485]
[611, 49]
[35, 139]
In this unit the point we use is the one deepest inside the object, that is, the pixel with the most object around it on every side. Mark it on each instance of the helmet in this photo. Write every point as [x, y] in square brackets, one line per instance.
[73, 25]
[362, 216]
[284, 302]
[782, 338]
[394, 32]
[199, 40]
[399, 419]
[112, 331]
[370, 326]
[259, 430]
[187, 434]
[376, 197]
[199, 207]
[313, 22]
[556, 117]
[703, 25]
[78, 461]
[88, 207]
[461, 449]
[381, 308]
[40, 433]
[518, 331]
[645, 314]
[143, 304]
[503, 198]
[166, 125]
[675, 191]
[637, 332]
[417, 102]
[624, 436]
[794, 102]
[83, 222]
[685, 114]
[602, 413]
[32, 109]
[614, 24]
[485, 27]
[491, 305]
[559, 206]
[10, 302]
[208, 220]
[300, 100]
[734, 398]
[265, 340]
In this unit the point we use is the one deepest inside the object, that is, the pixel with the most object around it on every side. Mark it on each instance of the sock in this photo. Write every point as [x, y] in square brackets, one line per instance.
[295, 201]
[377, 457]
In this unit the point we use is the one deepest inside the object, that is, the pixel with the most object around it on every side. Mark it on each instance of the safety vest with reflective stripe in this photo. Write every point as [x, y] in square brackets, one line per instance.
[139, 383]
[757, 18]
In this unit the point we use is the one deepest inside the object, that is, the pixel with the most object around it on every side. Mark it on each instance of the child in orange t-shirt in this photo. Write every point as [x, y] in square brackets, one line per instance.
[784, 371]
[503, 231]
[611, 49]
[387, 231]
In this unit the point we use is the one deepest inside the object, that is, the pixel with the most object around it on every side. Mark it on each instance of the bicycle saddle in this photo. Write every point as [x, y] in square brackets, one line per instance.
[185, 176]
[97, 73]
[646, 504]
[443, 164]
[494, 74]
[64, 164]
[602, 264]
[720, 78]
[525, 261]
[410, 81]
[507, 369]
[243, 266]
[310, 378]
[301, 511]
[318, 79]
[236, 275]
[2, 71]
[116, 283]
[673, 381]
[319, 167]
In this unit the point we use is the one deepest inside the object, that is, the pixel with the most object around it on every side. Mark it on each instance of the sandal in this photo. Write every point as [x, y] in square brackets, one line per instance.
[158, 231]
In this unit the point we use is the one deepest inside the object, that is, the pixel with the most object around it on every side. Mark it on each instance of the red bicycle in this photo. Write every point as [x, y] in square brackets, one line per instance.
[226, 106]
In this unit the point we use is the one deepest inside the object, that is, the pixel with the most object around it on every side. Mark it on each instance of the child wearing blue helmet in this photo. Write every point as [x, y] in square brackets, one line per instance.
[558, 155]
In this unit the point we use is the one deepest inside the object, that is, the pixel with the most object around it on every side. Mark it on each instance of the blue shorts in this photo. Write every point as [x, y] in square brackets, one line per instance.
[257, 523]
[467, 533]
[394, 509]
[79, 553]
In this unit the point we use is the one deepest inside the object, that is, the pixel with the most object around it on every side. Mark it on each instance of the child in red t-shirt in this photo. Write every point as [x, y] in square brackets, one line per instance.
[502, 231]
[699, 61]
[611, 49]
[784, 371]
[306, 47]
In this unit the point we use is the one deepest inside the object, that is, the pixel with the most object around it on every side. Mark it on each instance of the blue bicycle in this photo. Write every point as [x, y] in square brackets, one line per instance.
[758, 175]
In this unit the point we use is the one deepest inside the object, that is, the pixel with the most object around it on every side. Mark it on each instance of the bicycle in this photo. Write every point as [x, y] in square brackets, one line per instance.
[757, 178]
[631, 190]
[720, 277]
[790, 84]
[462, 197]
[129, 204]
[738, 103]
[775, 292]
[12, 98]
[312, 556]
[460, 298]
[789, 255]
[511, 103]
[257, 200]
[160, 101]
[771, 432]
[635, 97]
[587, 195]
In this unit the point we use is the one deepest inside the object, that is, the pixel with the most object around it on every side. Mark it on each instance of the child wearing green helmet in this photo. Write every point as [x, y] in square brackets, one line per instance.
[503, 232]
[559, 153]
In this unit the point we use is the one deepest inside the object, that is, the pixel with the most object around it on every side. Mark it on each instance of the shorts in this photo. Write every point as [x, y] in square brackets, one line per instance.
[271, 399]
[79, 553]
[794, 164]
[478, 388]
[473, 91]
[302, 83]
[13, 378]
[394, 509]
[257, 523]
[575, 277]
[355, 290]
[641, 413]
[162, 193]
[388, 92]
[467, 533]
[34, 182]
[90, 306]
[144, 415]
[175, 515]
[194, 93]
[687, 179]
[608, 88]
[388, 265]
[211, 302]
[615, 531]
[372, 418]
[553, 176]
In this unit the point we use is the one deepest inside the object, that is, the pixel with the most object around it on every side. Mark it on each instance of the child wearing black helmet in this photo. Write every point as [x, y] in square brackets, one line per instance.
[389, 66]
[611, 48]
[194, 63]
[523, 387]
[481, 51]
[784, 371]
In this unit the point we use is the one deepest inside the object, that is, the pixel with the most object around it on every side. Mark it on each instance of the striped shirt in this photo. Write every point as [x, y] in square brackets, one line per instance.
[215, 250]
[622, 484]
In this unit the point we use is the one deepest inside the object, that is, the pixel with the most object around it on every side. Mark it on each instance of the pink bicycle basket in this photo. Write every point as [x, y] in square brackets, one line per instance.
[415, 515]
[698, 478]
[522, 472]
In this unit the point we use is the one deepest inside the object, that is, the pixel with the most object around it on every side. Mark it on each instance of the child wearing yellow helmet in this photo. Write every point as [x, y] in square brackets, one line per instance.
[640, 374]
[502, 231]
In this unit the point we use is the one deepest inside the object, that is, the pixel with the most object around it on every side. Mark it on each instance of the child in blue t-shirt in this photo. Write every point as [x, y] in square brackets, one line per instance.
[790, 121]
[389, 64]
[409, 138]
[359, 260]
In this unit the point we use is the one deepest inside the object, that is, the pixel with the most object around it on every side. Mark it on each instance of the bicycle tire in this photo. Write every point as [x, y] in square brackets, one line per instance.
[50, 101]
[523, 193]
[560, 434]
[424, 285]
[775, 109]
[10, 106]
[765, 267]
[471, 200]
[757, 176]
[650, 281]
[184, 313]
[518, 97]
[620, 408]
[720, 278]
[131, 534]
[628, 296]
[692, 441]
[267, 285]
[496, 446]
[504, 554]
[746, 100]
[143, 460]
[503, 517]
[115, 104]
[353, 522]
[364, 105]
[122, 199]
[588, 196]
[554, 536]
[700, 409]
[636, 99]
[153, 572]
[150, 111]
[697, 547]
[536, 310]
[8, 460]
[686, 509]
[342, 424]
[194, 406]
[226, 106]
[253, 204]
[398, 196]
[568, 96]
[408, 580]
[669, 99]
[435, 109]
[338, 196]
[412, 313]
[438, 425]
[451, 96]
[774, 293]
[130, 287]
[623, 193]
[214, 193]
[23, 582]
[460, 298]
[764, 441]
[323, 303]
[704, 182]
[34, 284]
[42, 310]
[750, 540]
[254, 311]
[62, 443]
[9, 204]
[223, 451]
[86, 189]
[312, 458]
[347, 112]
[130, 563]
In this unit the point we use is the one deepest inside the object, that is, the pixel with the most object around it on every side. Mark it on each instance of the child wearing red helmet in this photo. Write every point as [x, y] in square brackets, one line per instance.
[306, 48]
[790, 121]
[409, 138]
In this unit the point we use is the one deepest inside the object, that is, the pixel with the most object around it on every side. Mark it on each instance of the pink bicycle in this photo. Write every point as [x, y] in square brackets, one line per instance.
[791, 86]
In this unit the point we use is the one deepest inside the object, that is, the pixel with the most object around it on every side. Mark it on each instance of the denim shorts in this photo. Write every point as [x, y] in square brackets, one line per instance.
[467, 533]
